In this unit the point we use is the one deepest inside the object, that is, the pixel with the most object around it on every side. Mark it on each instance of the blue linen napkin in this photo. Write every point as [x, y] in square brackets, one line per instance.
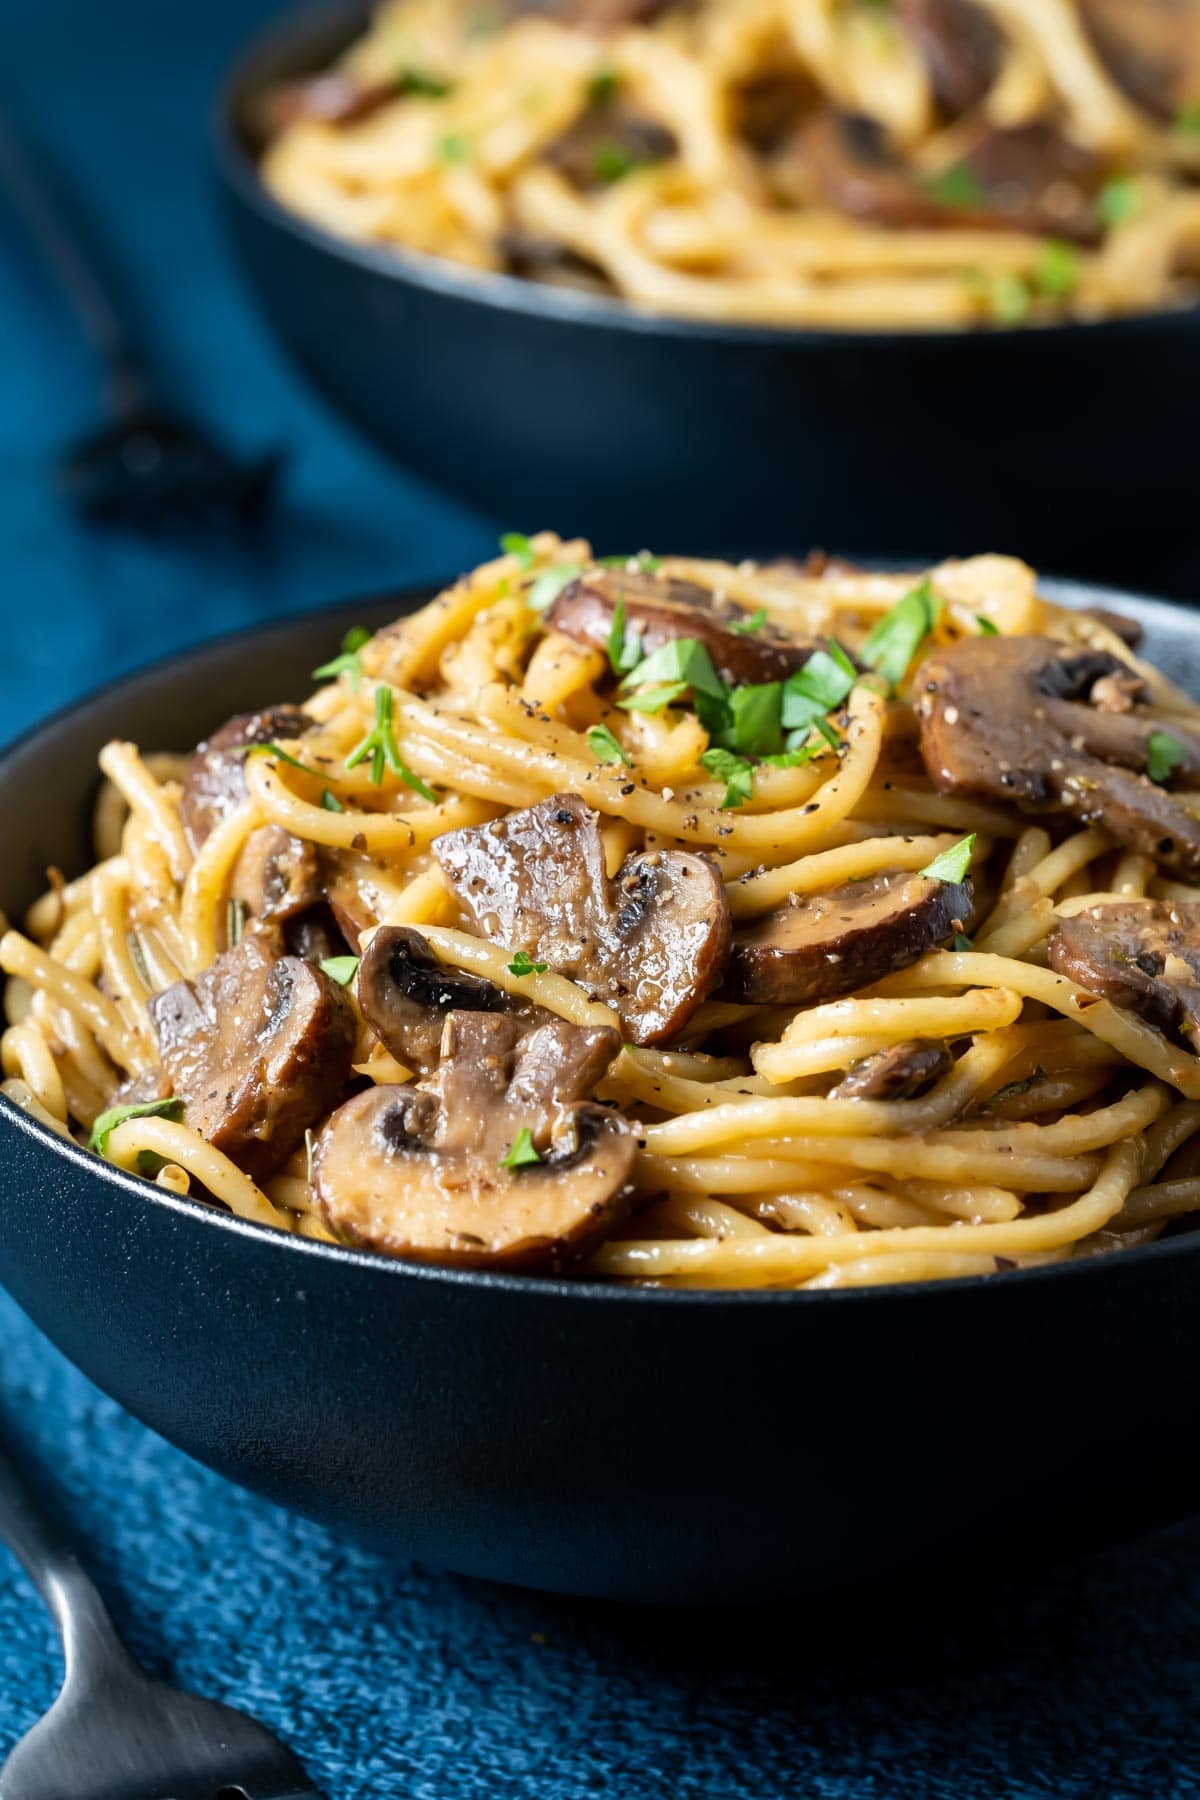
[387, 1679]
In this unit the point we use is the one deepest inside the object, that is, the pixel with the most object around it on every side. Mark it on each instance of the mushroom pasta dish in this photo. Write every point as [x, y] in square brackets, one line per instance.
[652, 919]
[822, 163]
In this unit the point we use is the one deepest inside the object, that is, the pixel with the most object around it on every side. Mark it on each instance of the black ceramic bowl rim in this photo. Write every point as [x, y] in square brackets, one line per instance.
[238, 167]
[92, 1167]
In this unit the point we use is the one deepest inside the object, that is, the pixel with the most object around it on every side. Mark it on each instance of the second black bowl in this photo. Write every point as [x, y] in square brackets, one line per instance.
[1076, 442]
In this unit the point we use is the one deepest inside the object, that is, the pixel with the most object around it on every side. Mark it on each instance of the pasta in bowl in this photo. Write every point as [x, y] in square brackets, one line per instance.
[656, 920]
[928, 164]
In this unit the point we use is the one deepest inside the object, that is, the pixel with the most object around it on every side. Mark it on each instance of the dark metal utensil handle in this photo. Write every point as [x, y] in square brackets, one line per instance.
[88, 1634]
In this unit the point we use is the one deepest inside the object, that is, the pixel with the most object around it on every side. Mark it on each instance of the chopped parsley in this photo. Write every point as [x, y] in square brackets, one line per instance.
[549, 585]
[453, 148]
[1119, 200]
[341, 969]
[1057, 272]
[614, 161]
[1008, 300]
[605, 748]
[754, 726]
[350, 661]
[624, 643]
[962, 941]
[380, 745]
[644, 563]
[682, 662]
[330, 801]
[1187, 119]
[108, 1121]
[1163, 755]
[752, 622]
[986, 628]
[734, 771]
[522, 1155]
[523, 964]
[603, 86]
[952, 864]
[515, 543]
[900, 633]
[818, 688]
[421, 82]
[653, 699]
[955, 186]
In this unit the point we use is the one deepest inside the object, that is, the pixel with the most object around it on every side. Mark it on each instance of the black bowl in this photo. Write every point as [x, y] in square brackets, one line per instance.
[641, 1444]
[1077, 442]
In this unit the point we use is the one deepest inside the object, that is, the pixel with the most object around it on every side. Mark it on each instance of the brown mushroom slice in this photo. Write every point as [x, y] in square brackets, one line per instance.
[1130, 631]
[662, 608]
[1017, 720]
[652, 944]
[898, 1073]
[334, 97]
[1151, 48]
[1032, 178]
[258, 1048]
[960, 46]
[215, 782]
[846, 160]
[405, 994]
[423, 1173]
[830, 944]
[1140, 954]
[276, 876]
[608, 141]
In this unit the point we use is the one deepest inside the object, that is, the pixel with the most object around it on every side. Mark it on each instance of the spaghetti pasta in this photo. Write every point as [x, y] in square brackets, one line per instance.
[860, 1047]
[819, 163]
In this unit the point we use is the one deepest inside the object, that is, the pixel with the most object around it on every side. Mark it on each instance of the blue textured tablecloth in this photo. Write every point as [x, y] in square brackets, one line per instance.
[391, 1680]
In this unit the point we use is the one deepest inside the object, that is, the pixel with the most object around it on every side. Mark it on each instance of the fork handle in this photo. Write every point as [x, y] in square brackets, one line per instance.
[88, 1634]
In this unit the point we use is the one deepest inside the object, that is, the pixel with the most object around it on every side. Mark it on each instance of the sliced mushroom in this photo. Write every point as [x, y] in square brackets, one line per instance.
[215, 782]
[1140, 954]
[652, 944]
[258, 1048]
[1151, 49]
[405, 995]
[1027, 177]
[897, 1073]
[1129, 630]
[592, 15]
[661, 609]
[334, 97]
[609, 140]
[829, 944]
[276, 876]
[421, 1172]
[1016, 719]
[961, 47]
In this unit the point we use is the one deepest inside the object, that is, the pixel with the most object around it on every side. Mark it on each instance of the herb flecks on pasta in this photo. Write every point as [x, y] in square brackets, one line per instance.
[660, 920]
[822, 163]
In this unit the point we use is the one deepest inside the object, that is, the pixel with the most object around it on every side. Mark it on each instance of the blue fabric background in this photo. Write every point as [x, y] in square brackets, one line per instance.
[1077, 1682]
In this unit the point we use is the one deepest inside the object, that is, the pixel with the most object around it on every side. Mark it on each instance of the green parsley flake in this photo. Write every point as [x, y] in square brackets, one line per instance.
[955, 186]
[755, 725]
[420, 82]
[962, 941]
[682, 660]
[1008, 300]
[453, 148]
[603, 86]
[341, 969]
[753, 622]
[1058, 269]
[624, 644]
[523, 964]
[815, 690]
[986, 628]
[653, 699]
[735, 772]
[549, 585]
[605, 748]
[952, 864]
[108, 1121]
[522, 1155]
[380, 745]
[330, 801]
[898, 636]
[1163, 755]
[350, 661]
[1119, 200]
[515, 543]
[1187, 119]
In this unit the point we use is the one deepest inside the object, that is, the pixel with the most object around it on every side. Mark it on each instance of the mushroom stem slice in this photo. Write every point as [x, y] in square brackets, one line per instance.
[430, 1173]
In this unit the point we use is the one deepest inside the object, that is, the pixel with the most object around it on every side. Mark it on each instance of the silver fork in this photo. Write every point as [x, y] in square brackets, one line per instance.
[113, 1733]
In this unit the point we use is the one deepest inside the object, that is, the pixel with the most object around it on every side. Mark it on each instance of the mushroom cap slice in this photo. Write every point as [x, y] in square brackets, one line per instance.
[405, 995]
[661, 608]
[421, 1172]
[1151, 48]
[215, 782]
[897, 1073]
[652, 944]
[1140, 954]
[1032, 722]
[844, 939]
[960, 45]
[258, 1048]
